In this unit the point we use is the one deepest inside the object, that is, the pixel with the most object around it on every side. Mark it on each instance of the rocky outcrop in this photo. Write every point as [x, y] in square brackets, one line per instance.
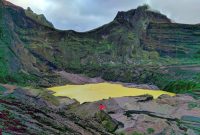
[166, 115]
[36, 112]
[142, 14]
[39, 112]
[38, 18]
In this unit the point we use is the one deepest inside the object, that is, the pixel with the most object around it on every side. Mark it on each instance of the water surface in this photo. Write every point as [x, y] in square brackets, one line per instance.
[95, 92]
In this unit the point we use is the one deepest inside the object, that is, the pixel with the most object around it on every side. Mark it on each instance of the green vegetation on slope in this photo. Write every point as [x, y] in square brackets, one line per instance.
[38, 18]
[3, 47]
[7, 55]
[182, 86]
[137, 46]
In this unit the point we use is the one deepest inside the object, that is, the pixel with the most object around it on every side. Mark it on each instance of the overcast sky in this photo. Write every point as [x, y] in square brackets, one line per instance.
[84, 15]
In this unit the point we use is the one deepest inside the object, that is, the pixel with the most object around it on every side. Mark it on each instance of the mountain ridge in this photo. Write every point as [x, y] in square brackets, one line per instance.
[135, 50]
[135, 40]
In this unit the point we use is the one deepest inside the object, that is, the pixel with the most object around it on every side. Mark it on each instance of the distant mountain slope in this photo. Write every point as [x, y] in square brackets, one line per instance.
[135, 47]
[38, 18]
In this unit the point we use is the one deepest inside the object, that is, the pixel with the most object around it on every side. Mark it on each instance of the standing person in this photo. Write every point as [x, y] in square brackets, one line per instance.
[102, 107]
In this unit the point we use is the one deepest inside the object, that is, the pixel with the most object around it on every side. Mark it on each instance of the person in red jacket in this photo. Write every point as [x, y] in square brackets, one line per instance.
[102, 107]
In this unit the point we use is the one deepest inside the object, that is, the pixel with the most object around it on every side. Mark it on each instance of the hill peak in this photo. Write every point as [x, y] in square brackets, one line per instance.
[38, 18]
[141, 13]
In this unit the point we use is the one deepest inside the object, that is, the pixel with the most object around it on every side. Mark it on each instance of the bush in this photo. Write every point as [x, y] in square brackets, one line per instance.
[181, 86]
[150, 130]
[137, 133]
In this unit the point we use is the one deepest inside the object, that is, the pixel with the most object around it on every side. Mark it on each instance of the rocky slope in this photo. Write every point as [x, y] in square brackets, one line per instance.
[28, 111]
[140, 45]
[32, 111]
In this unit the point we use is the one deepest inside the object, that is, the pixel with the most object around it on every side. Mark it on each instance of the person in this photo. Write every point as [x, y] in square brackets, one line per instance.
[102, 107]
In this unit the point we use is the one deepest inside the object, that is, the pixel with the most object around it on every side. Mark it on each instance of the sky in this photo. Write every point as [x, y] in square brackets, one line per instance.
[84, 15]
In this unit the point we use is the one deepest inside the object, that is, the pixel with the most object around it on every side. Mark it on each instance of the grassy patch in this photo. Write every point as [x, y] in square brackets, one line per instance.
[106, 121]
[137, 133]
[150, 130]
[182, 86]
[192, 105]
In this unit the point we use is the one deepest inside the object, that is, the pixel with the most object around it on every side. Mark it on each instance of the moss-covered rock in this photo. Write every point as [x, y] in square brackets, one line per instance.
[110, 124]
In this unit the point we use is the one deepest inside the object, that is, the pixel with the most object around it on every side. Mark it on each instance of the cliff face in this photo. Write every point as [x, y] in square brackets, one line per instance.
[122, 50]
[175, 40]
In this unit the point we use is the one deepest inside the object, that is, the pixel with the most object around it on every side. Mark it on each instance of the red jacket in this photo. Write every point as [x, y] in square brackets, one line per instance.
[102, 107]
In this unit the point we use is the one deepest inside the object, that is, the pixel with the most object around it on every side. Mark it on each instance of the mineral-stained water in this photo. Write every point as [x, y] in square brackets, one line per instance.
[99, 91]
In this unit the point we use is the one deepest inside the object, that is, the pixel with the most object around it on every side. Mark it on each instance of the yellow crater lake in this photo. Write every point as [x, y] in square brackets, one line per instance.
[99, 91]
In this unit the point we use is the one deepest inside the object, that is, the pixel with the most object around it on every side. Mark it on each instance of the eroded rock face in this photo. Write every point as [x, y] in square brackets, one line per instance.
[141, 13]
[36, 112]
[166, 115]
[39, 112]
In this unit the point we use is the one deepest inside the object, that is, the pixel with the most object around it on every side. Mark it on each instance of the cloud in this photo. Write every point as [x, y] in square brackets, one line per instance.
[83, 15]
[181, 11]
